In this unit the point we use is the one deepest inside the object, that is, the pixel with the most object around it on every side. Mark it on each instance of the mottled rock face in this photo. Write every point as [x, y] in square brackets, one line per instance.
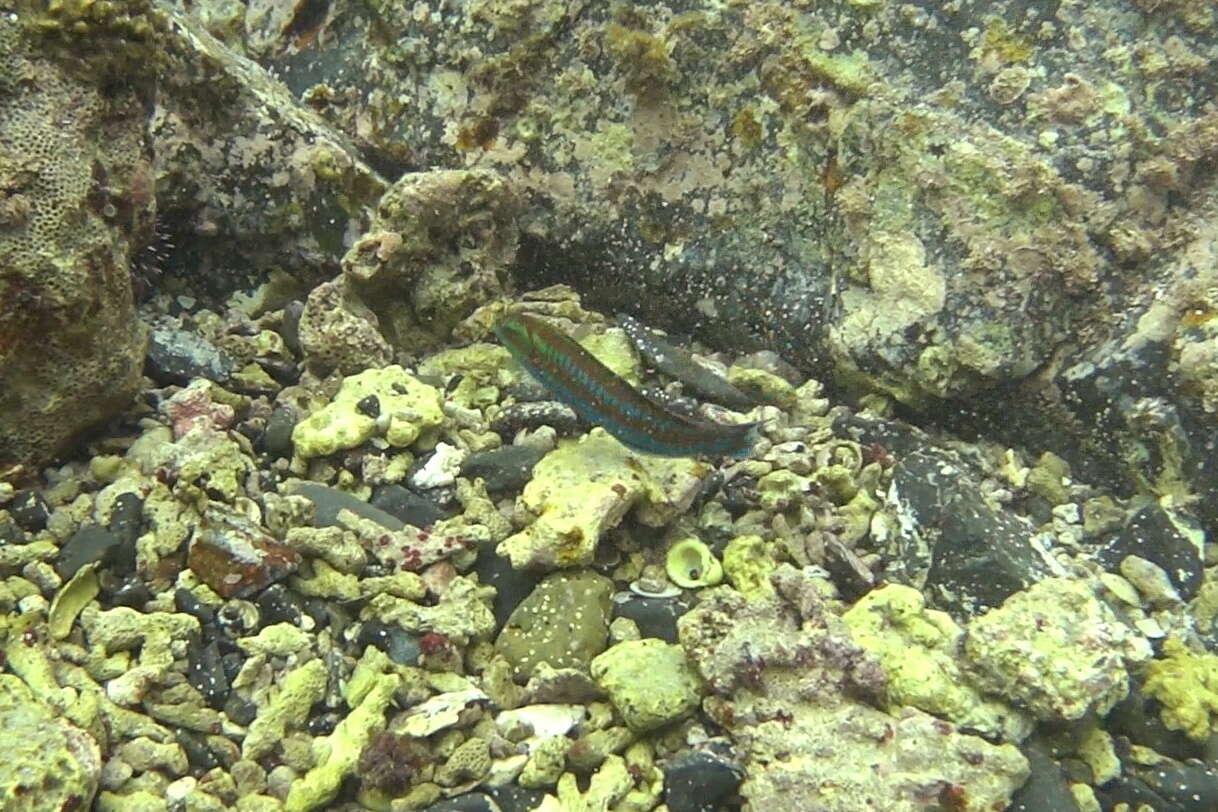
[48, 763]
[76, 194]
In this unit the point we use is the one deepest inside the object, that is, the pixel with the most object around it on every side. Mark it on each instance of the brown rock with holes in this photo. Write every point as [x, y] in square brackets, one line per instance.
[76, 196]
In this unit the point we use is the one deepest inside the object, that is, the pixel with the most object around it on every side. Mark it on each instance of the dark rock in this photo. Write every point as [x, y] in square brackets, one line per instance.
[277, 435]
[880, 437]
[177, 356]
[1136, 717]
[319, 610]
[240, 710]
[697, 781]
[967, 556]
[849, 573]
[90, 544]
[403, 647]
[369, 406]
[278, 604]
[1132, 791]
[512, 798]
[675, 361]
[10, 532]
[1047, 787]
[740, 496]
[198, 754]
[511, 585]
[323, 724]
[130, 590]
[205, 672]
[185, 602]
[471, 802]
[1153, 533]
[328, 502]
[290, 329]
[504, 469]
[513, 418]
[407, 506]
[29, 510]
[126, 522]
[1190, 786]
[655, 617]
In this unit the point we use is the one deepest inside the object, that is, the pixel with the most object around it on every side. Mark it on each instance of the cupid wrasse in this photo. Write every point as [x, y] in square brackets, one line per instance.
[589, 387]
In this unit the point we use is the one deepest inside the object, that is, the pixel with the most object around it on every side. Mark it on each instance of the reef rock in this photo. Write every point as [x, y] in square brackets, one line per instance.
[77, 195]
[799, 697]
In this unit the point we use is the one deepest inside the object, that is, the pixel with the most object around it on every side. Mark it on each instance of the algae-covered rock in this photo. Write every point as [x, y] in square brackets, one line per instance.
[343, 747]
[1186, 683]
[78, 197]
[388, 402]
[581, 489]
[798, 696]
[48, 763]
[564, 621]
[748, 564]
[298, 691]
[919, 649]
[1055, 649]
[650, 682]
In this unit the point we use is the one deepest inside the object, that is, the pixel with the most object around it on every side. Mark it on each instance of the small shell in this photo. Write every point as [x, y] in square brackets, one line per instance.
[653, 588]
[691, 565]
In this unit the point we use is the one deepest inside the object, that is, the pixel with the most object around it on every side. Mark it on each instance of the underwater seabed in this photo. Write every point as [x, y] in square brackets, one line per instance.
[335, 339]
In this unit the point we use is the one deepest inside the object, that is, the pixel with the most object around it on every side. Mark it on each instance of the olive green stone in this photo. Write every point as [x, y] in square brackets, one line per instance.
[564, 622]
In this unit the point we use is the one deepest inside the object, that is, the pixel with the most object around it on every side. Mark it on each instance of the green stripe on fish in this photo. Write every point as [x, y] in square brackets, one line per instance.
[578, 379]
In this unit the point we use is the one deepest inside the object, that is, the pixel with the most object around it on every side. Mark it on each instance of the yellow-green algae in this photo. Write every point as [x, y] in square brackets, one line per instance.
[406, 405]
[583, 488]
[919, 649]
[338, 753]
[1186, 683]
[690, 564]
[748, 564]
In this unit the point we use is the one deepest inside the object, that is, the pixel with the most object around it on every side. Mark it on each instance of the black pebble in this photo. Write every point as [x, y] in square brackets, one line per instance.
[126, 522]
[1192, 786]
[205, 672]
[176, 356]
[511, 585]
[328, 502]
[131, 591]
[1047, 788]
[10, 532]
[503, 469]
[198, 754]
[279, 604]
[240, 710]
[369, 406]
[29, 510]
[186, 603]
[290, 331]
[512, 798]
[407, 506]
[655, 617]
[473, 802]
[323, 724]
[277, 434]
[697, 781]
[90, 544]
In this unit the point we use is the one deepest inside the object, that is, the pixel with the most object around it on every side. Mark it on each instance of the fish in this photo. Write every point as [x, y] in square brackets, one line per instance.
[600, 396]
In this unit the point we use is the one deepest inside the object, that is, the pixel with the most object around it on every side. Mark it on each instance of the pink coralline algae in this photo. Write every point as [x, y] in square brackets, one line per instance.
[193, 406]
[413, 548]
